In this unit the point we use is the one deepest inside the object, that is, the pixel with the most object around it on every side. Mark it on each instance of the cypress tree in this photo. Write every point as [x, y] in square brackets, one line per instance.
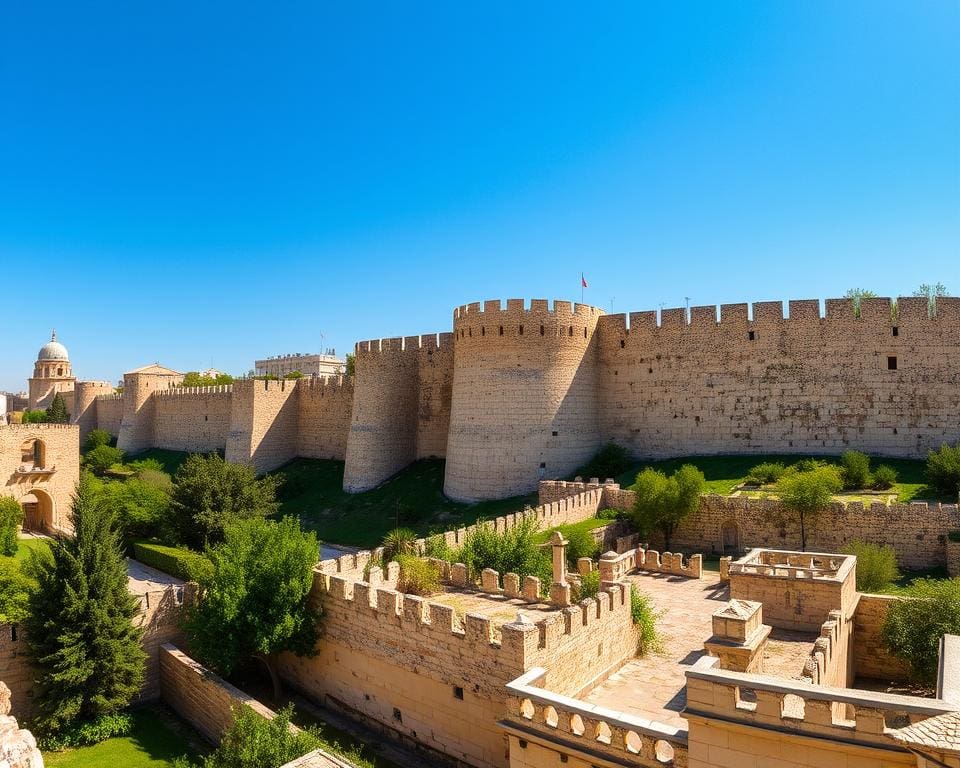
[84, 645]
[57, 412]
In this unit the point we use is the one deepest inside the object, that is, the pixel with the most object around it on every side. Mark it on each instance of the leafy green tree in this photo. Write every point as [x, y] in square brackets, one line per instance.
[254, 742]
[101, 458]
[514, 550]
[96, 438]
[57, 412]
[876, 566]
[86, 651]
[351, 365]
[142, 508]
[913, 627]
[943, 470]
[609, 461]
[11, 518]
[256, 602]
[15, 589]
[196, 379]
[661, 502]
[209, 493]
[293, 375]
[807, 493]
[856, 294]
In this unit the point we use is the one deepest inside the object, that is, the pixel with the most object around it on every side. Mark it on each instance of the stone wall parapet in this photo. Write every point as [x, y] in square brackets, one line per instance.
[613, 566]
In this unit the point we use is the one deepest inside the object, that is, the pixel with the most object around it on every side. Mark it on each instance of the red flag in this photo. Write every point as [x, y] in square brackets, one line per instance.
[583, 280]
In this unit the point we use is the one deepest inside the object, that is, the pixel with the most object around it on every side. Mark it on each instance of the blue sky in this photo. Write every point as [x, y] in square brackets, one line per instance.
[206, 183]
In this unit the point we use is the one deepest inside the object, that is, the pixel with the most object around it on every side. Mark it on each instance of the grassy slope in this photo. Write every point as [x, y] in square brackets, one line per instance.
[171, 460]
[584, 525]
[313, 490]
[724, 473]
[157, 738]
[26, 546]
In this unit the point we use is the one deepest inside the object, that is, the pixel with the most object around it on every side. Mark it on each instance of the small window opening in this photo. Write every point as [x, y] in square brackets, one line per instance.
[570, 331]
[891, 363]
[622, 343]
[397, 715]
[523, 743]
[543, 465]
[541, 330]
[564, 758]
[469, 331]
[896, 331]
[752, 335]
[483, 330]
[584, 332]
[501, 330]
[458, 692]
[13, 632]
[521, 330]
[555, 433]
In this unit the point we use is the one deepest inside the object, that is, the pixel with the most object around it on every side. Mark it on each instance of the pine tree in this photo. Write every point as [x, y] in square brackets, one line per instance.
[57, 412]
[84, 645]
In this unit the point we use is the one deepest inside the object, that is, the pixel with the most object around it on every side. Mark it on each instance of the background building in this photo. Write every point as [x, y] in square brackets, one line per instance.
[327, 364]
[51, 374]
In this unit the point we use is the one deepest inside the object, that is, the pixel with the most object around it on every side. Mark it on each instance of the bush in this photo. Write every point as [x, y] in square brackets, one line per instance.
[38, 416]
[101, 458]
[398, 542]
[943, 470]
[610, 461]
[88, 732]
[589, 586]
[96, 438]
[876, 566]
[855, 470]
[514, 550]
[14, 593]
[253, 742]
[436, 546]
[766, 473]
[611, 514]
[418, 576]
[11, 517]
[645, 618]
[884, 477]
[182, 563]
[913, 628]
[581, 544]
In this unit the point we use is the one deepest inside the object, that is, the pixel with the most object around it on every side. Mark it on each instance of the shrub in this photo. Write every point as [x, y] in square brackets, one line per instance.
[182, 563]
[645, 618]
[589, 586]
[943, 470]
[913, 628]
[807, 465]
[611, 514]
[436, 546]
[609, 461]
[88, 732]
[855, 470]
[101, 458]
[514, 550]
[253, 742]
[96, 438]
[11, 517]
[884, 477]
[38, 416]
[14, 593]
[418, 576]
[399, 541]
[876, 566]
[581, 543]
[766, 473]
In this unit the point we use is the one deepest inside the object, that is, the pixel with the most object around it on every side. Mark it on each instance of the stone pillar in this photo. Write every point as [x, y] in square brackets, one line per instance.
[559, 589]
[739, 636]
[725, 569]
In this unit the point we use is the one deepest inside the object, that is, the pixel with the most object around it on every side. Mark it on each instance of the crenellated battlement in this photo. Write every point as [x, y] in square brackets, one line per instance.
[493, 310]
[218, 389]
[42, 427]
[883, 312]
[110, 396]
[405, 343]
[319, 384]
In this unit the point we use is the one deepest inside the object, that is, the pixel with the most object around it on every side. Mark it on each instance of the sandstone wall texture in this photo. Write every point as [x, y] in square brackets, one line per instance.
[109, 413]
[434, 394]
[192, 419]
[18, 748]
[323, 417]
[85, 411]
[263, 423]
[525, 396]
[871, 658]
[15, 669]
[137, 427]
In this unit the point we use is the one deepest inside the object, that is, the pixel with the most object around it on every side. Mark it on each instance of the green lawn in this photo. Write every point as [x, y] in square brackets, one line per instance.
[313, 490]
[584, 525]
[158, 738]
[26, 546]
[171, 460]
[724, 473]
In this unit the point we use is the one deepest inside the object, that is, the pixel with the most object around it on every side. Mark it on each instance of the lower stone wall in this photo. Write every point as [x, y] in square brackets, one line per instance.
[110, 413]
[15, 669]
[870, 656]
[724, 525]
[192, 419]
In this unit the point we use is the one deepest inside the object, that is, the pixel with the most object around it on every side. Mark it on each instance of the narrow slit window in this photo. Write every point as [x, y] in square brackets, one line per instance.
[891, 363]
[896, 331]
[752, 335]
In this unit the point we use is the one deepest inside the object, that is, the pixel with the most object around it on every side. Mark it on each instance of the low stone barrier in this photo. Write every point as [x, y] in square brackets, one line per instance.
[827, 663]
[614, 567]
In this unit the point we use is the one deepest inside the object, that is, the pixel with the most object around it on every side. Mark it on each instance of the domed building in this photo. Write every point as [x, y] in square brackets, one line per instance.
[51, 374]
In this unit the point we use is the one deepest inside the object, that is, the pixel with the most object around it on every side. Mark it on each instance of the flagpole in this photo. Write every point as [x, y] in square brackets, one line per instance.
[581, 287]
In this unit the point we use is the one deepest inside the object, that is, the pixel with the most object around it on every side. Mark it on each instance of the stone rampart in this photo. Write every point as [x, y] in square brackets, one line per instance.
[614, 566]
[870, 655]
[325, 405]
[109, 412]
[434, 394]
[263, 423]
[86, 395]
[807, 383]
[831, 659]
[18, 748]
[192, 419]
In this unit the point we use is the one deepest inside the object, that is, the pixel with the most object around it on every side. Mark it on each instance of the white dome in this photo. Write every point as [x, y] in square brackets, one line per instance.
[53, 350]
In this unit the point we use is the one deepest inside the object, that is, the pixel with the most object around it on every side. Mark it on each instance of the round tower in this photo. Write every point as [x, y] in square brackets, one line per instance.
[525, 396]
[85, 404]
[51, 374]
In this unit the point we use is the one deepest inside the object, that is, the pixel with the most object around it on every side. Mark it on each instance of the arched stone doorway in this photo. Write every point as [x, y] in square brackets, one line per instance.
[37, 511]
[730, 537]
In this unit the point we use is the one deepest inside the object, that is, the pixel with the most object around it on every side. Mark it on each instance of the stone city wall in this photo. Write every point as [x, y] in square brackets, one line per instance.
[809, 383]
[434, 394]
[263, 423]
[323, 416]
[192, 419]
[86, 396]
[917, 531]
[870, 656]
[109, 412]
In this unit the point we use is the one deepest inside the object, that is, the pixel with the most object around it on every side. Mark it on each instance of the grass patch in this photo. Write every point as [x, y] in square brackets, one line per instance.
[724, 473]
[171, 460]
[572, 528]
[25, 547]
[157, 739]
[313, 490]
[908, 577]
